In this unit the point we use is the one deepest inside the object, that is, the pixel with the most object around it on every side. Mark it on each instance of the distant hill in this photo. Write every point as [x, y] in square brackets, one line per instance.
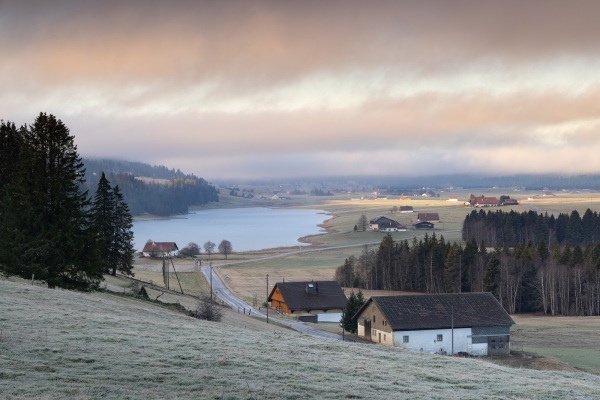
[57, 344]
[151, 189]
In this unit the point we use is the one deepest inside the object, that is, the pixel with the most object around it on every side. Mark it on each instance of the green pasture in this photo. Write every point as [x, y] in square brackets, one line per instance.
[587, 359]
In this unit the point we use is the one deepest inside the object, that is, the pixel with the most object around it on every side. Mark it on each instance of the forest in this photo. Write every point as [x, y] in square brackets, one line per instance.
[174, 195]
[541, 264]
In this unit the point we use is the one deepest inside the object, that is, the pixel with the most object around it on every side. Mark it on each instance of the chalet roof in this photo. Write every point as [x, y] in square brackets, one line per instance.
[160, 247]
[440, 311]
[423, 223]
[428, 217]
[381, 219]
[313, 295]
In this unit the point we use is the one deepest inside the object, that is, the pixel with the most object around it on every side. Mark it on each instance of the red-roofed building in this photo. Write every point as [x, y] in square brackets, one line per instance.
[160, 249]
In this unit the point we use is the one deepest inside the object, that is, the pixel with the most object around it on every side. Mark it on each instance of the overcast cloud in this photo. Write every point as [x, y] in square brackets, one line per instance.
[263, 89]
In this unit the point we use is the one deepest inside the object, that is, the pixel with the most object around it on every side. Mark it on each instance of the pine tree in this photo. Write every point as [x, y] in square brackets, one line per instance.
[354, 303]
[45, 223]
[103, 210]
[490, 274]
[113, 223]
[123, 239]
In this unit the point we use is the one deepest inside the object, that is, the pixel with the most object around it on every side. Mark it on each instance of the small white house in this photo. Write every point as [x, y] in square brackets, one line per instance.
[472, 323]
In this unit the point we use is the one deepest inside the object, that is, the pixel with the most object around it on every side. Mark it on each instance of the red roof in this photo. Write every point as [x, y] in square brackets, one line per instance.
[486, 200]
[160, 247]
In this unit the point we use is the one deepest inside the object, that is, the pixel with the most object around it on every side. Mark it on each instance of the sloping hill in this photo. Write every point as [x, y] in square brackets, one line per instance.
[61, 344]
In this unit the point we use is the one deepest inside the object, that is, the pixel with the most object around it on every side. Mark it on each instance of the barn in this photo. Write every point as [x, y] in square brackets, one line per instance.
[160, 249]
[473, 323]
[324, 299]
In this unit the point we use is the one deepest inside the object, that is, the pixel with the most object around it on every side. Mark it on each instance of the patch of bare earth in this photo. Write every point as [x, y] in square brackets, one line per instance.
[520, 359]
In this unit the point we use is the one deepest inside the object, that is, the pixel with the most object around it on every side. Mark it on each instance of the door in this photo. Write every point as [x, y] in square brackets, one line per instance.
[497, 345]
[368, 329]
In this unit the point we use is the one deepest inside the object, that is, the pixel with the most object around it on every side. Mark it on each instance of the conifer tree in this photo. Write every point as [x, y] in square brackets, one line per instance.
[45, 223]
[123, 235]
[354, 303]
[113, 223]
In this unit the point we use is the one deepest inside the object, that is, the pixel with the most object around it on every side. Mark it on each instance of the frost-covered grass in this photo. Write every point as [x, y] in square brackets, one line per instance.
[57, 344]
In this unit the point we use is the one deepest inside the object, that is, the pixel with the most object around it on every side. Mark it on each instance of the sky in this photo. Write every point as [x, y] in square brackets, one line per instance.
[273, 89]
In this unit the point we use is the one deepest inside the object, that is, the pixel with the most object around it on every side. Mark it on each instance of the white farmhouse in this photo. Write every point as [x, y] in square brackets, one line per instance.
[473, 323]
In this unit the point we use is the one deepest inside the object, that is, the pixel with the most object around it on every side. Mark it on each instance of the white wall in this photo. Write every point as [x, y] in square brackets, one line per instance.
[427, 340]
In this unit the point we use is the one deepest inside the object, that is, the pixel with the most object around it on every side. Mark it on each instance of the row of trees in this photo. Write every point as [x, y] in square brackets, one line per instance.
[192, 249]
[50, 228]
[501, 228]
[561, 280]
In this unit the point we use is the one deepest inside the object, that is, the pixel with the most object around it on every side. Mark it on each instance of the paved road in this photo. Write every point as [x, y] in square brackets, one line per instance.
[225, 295]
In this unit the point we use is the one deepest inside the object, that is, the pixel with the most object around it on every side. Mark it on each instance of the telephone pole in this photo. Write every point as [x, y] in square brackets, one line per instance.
[211, 291]
[267, 298]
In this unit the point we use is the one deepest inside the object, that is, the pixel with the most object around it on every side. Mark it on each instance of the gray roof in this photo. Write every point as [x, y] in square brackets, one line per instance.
[313, 295]
[438, 311]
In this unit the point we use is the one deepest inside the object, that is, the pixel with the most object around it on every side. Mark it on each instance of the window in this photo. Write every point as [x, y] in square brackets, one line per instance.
[440, 338]
[384, 337]
[373, 319]
[405, 339]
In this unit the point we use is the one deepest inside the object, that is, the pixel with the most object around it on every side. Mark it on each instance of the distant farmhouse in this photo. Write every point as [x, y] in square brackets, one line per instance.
[473, 323]
[510, 202]
[406, 209]
[324, 300]
[385, 224]
[483, 201]
[452, 198]
[428, 217]
[423, 225]
[160, 249]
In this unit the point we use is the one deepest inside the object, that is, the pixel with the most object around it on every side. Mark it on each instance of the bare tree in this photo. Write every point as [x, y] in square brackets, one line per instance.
[362, 223]
[209, 248]
[191, 250]
[225, 247]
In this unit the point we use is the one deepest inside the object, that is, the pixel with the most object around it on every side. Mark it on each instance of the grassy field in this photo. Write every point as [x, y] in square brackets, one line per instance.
[248, 279]
[573, 340]
[57, 344]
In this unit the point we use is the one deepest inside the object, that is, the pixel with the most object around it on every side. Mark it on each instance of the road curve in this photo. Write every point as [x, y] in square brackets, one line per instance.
[224, 294]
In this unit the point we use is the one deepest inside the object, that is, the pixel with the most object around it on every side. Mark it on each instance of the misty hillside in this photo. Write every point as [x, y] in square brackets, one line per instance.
[57, 344]
[151, 189]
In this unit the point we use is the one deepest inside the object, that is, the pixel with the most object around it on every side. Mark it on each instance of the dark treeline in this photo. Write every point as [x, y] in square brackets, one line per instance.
[499, 228]
[175, 196]
[527, 278]
[51, 229]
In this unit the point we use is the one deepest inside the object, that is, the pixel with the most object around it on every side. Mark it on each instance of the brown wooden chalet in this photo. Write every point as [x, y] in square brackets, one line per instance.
[312, 297]
[385, 224]
[429, 217]
[160, 249]
[473, 323]
[406, 209]
[510, 202]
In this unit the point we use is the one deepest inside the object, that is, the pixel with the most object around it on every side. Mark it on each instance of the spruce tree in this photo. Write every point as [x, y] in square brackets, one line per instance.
[103, 211]
[123, 239]
[113, 223]
[45, 222]
[354, 303]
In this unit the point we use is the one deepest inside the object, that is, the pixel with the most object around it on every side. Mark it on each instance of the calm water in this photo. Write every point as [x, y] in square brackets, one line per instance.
[246, 228]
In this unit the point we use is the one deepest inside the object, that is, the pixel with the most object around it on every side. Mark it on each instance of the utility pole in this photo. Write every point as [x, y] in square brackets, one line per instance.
[267, 298]
[452, 308]
[211, 291]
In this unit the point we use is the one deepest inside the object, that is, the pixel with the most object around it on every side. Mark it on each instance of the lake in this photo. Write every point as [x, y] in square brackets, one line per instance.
[246, 228]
